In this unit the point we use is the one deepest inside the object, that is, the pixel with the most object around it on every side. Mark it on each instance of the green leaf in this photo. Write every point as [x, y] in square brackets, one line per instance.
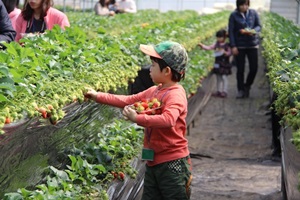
[61, 174]
[3, 98]
[7, 86]
[4, 70]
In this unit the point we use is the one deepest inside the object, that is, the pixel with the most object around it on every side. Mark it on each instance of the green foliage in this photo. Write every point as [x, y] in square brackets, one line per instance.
[49, 71]
[91, 166]
[281, 51]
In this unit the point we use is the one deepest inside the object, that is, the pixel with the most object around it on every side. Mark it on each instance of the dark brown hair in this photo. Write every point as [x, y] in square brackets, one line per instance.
[10, 5]
[242, 2]
[221, 33]
[103, 4]
[27, 11]
[176, 77]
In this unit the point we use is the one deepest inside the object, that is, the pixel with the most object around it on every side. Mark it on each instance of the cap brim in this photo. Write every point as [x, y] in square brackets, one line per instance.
[149, 50]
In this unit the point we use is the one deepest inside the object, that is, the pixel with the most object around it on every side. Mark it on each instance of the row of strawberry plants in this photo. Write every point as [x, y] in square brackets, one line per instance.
[51, 70]
[119, 24]
[51, 187]
[91, 167]
[281, 51]
[188, 32]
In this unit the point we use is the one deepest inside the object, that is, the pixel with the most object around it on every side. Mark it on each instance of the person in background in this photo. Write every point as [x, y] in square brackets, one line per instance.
[113, 6]
[244, 26]
[7, 32]
[38, 16]
[126, 6]
[222, 66]
[168, 166]
[102, 8]
[12, 10]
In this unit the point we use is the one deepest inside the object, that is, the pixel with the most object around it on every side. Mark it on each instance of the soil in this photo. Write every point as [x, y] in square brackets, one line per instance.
[230, 141]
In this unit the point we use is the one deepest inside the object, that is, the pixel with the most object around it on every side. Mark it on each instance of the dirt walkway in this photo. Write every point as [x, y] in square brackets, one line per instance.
[231, 143]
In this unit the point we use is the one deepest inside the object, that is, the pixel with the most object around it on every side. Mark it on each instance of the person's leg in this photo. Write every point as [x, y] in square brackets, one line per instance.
[151, 190]
[252, 55]
[218, 92]
[225, 83]
[174, 179]
[240, 64]
[219, 82]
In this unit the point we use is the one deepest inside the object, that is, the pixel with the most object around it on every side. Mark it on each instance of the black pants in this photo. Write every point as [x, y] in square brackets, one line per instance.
[252, 55]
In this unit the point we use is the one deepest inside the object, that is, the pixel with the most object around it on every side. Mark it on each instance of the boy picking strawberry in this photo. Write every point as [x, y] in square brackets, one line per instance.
[168, 166]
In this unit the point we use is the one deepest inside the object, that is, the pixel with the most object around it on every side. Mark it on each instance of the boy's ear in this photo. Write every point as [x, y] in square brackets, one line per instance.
[168, 71]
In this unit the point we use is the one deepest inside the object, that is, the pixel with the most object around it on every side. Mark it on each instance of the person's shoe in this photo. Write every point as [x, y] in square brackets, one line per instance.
[216, 94]
[240, 94]
[223, 94]
[246, 91]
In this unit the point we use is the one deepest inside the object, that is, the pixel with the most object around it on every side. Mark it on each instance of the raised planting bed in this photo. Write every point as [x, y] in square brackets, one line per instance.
[290, 166]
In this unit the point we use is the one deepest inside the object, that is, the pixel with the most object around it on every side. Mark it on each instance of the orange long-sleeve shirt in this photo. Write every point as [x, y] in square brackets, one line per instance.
[165, 132]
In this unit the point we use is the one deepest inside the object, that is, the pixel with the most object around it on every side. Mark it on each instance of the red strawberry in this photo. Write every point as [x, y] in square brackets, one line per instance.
[145, 105]
[144, 100]
[156, 104]
[7, 120]
[136, 104]
[114, 174]
[121, 175]
[44, 115]
[148, 111]
[43, 111]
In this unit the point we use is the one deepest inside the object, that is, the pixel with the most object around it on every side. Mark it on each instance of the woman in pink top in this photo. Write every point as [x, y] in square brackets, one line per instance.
[38, 16]
[12, 10]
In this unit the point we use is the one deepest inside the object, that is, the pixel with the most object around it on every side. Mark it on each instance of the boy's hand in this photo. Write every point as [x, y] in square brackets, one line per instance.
[129, 113]
[91, 94]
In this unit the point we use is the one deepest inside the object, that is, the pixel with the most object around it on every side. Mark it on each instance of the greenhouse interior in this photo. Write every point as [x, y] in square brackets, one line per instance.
[138, 100]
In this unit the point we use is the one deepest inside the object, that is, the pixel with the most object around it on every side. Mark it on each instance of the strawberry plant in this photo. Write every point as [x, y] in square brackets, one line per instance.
[92, 167]
[53, 68]
[281, 52]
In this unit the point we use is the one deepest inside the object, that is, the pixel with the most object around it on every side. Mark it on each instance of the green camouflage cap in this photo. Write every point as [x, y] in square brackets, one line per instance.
[173, 53]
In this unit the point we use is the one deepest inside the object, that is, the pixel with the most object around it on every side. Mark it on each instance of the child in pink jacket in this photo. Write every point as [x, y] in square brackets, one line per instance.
[38, 16]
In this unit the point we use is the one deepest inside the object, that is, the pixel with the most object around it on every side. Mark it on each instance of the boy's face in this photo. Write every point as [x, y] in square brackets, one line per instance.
[155, 73]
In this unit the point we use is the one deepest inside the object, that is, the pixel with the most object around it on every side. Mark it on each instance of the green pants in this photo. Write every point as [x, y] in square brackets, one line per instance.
[168, 181]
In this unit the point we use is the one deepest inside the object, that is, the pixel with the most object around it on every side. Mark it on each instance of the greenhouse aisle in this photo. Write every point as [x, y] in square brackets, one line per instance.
[230, 144]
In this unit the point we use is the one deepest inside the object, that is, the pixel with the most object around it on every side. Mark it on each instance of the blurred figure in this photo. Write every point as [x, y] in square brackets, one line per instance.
[7, 32]
[126, 6]
[113, 6]
[38, 16]
[12, 10]
[244, 26]
[222, 66]
[102, 8]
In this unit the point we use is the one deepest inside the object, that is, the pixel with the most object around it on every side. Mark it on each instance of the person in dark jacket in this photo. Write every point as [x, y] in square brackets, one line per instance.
[7, 32]
[244, 26]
